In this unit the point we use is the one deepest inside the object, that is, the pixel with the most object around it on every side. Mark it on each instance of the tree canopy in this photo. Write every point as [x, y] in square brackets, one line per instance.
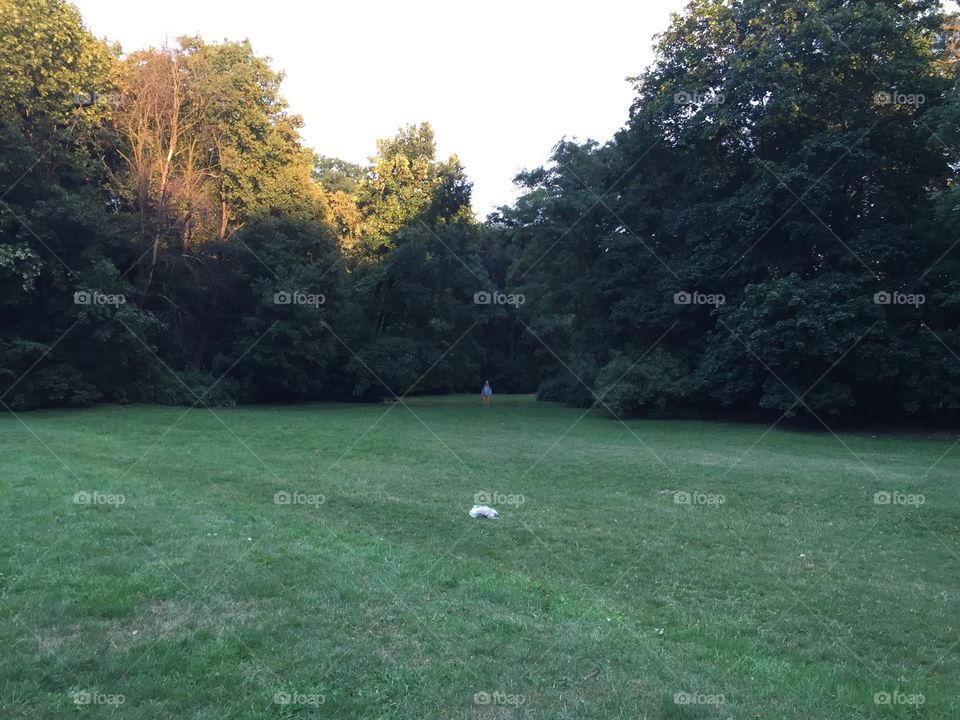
[772, 232]
[733, 246]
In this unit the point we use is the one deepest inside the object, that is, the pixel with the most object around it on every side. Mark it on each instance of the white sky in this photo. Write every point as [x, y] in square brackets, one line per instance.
[501, 82]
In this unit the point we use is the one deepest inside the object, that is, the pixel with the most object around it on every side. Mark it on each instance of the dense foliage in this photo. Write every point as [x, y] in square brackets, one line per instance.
[165, 236]
[771, 232]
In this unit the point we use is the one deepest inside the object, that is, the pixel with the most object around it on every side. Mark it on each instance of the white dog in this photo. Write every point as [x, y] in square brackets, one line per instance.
[482, 511]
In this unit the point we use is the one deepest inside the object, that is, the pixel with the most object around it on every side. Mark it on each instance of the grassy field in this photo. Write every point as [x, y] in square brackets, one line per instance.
[318, 561]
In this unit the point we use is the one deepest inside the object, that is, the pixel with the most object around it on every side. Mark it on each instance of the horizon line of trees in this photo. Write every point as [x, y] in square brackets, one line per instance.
[771, 233]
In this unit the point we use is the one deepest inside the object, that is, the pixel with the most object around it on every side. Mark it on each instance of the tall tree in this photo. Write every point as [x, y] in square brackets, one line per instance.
[335, 174]
[64, 335]
[155, 120]
[776, 156]
[403, 181]
[416, 268]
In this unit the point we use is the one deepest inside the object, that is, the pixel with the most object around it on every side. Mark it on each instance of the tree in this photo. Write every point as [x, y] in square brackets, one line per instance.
[415, 270]
[208, 148]
[154, 120]
[278, 335]
[404, 179]
[336, 175]
[65, 329]
[770, 160]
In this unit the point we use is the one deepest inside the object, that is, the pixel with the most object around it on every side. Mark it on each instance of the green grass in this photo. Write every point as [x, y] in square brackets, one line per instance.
[599, 596]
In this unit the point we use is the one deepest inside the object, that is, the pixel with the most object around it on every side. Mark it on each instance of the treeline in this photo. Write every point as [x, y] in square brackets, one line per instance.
[772, 231]
[165, 237]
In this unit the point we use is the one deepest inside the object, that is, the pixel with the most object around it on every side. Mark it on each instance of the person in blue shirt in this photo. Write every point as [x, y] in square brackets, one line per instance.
[486, 393]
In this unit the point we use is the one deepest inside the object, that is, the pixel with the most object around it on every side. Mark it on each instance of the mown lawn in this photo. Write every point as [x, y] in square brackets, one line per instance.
[782, 590]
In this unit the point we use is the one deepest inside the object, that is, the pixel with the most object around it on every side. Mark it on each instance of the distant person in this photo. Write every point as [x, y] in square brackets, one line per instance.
[486, 393]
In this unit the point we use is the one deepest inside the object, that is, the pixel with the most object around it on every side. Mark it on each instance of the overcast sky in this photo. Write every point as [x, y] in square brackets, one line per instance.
[500, 81]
